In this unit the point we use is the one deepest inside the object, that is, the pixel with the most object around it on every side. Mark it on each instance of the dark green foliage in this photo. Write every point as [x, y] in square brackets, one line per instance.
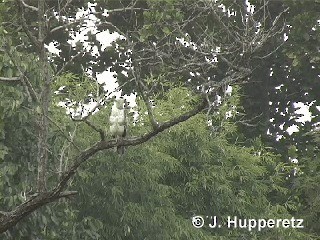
[153, 190]
[222, 167]
[295, 67]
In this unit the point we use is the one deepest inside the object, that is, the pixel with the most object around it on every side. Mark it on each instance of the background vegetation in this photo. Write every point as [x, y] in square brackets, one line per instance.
[192, 148]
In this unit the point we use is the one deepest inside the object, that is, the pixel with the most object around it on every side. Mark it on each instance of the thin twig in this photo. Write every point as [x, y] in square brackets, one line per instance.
[28, 6]
[68, 62]
[63, 133]
[97, 129]
[12, 79]
[32, 38]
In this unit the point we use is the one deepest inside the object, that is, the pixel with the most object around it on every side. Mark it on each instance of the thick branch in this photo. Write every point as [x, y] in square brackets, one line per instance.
[103, 145]
[10, 219]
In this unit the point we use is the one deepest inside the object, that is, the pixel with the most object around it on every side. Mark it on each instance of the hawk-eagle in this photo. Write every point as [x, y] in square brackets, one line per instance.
[118, 122]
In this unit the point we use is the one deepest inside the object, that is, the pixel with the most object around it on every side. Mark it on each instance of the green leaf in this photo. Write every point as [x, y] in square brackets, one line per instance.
[166, 30]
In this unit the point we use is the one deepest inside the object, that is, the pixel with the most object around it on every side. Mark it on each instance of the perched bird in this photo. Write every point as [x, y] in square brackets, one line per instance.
[118, 122]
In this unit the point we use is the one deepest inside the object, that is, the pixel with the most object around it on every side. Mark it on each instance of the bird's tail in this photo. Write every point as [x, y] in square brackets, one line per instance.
[120, 150]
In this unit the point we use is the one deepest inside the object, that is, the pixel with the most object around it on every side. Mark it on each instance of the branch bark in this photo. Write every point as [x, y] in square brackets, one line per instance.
[10, 219]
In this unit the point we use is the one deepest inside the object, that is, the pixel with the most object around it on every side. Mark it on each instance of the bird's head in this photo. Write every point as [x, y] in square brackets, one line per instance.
[120, 103]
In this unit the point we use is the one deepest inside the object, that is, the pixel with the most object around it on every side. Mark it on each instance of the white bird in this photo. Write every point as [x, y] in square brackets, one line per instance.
[118, 126]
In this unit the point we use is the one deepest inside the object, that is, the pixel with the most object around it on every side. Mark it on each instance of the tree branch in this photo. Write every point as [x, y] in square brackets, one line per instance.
[12, 79]
[28, 6]
[103, 145]
[10, 219]
[32, 95]
[62, 132]
[44, 103]
[32, 38]
[64, 7]
[143, 93]
[68, 24]
[97, 129]
[127, 9]
[68, 62]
